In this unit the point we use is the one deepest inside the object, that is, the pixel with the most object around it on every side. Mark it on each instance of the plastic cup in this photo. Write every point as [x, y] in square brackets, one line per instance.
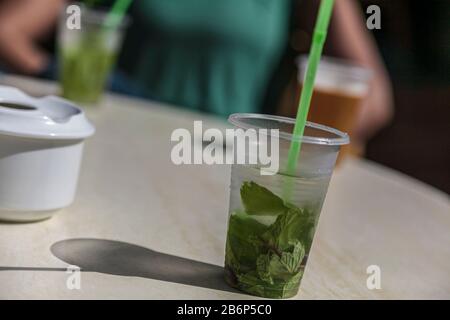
[339, 91]
[269, 239]
[87, 55]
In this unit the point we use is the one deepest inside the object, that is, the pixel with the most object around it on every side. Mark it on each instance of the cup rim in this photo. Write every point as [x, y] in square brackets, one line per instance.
[342, 138]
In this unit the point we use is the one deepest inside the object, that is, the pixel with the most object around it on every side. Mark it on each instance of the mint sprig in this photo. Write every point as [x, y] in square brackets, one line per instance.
[266, 260]
[258, 200]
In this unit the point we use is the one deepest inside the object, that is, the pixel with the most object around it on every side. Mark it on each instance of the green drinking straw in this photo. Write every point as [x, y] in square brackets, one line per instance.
[116, 14]
[319, 36]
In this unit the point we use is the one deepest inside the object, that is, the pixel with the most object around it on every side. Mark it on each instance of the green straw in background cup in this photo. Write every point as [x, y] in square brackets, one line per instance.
[319, 36]
[116, 14]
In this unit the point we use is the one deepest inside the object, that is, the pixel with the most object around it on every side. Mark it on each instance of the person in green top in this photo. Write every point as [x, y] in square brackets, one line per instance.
[217, 56]
[213, 56]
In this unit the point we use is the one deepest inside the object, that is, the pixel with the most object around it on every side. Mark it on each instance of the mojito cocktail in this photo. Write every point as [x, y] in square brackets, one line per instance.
[87, 56]
[269, 238]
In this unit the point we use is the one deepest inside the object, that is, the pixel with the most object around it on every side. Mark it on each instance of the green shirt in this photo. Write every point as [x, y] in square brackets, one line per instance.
[208, 55]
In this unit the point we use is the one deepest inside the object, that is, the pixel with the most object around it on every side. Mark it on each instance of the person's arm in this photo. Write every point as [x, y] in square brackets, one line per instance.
[22, 24]
[349, 38]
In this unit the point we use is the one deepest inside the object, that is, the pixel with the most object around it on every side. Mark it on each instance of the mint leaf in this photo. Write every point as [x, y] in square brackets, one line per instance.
[251, 283]
[290, 287]
[292, 260]
[258, 200]
[295, 224]
[230, 259]
[272, 278]
[263, 268]
[272, 266]
[243, 241]
[266, 245]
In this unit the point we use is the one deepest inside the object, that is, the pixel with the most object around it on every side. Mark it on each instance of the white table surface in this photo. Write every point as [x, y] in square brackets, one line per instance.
[143, 228]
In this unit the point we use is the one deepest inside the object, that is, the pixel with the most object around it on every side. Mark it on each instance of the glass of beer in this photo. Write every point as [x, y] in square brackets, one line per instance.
[339, 90]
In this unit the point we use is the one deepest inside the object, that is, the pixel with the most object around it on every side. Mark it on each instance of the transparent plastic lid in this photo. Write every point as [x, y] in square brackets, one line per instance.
[314, 133]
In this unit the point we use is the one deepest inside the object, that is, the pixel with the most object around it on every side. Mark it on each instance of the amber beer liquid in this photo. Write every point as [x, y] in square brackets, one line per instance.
[339, 91]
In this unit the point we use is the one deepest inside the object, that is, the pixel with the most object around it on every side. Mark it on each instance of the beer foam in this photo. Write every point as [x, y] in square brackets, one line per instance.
[336, 83]
[337, 75]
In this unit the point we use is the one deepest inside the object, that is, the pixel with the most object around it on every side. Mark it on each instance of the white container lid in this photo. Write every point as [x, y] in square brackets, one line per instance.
[47, 117]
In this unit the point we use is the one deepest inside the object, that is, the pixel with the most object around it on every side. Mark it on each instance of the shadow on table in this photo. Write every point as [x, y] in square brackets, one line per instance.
[10, 268]
[126, 259]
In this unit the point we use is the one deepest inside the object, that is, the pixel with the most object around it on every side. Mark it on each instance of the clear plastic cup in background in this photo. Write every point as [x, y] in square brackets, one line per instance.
[339, 90]
[268, 238]
[87, 55]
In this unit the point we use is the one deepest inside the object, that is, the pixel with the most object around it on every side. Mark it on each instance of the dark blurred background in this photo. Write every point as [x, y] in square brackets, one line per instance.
[414, 41]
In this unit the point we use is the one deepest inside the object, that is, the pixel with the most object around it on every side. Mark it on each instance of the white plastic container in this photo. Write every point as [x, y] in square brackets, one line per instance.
[41, 146]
